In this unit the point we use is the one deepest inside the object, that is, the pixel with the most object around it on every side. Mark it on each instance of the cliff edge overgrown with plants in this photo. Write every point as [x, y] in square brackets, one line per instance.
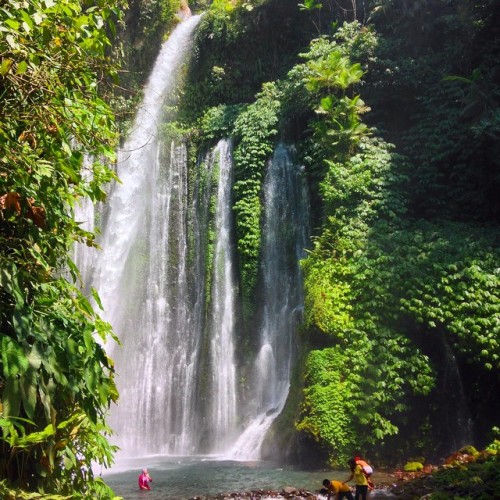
[394, 110]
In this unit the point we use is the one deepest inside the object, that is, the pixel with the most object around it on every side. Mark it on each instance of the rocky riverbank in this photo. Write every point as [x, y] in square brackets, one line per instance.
[464, 474]
[289, 492]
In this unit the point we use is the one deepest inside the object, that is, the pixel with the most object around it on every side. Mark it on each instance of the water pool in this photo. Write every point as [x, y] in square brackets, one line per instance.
[181, 478]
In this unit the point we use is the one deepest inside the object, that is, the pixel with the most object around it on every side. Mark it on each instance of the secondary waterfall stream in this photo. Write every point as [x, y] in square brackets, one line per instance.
[286, 231]
[167, 277]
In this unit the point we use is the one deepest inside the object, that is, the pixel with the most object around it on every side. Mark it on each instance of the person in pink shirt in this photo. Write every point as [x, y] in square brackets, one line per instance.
[144, 480]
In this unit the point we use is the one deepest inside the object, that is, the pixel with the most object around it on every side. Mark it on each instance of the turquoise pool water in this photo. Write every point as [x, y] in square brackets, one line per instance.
[183, 478]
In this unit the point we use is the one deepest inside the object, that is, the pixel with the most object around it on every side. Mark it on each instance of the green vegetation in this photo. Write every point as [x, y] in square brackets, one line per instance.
[381, 281]
[468, 476]
[56, 381]
[413, 467]
[394, 108]
[238, 47]
[146, 24]
[399, 143]
[255, 129]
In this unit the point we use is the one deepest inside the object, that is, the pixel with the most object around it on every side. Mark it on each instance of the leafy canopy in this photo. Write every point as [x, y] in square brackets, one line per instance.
[56, 381]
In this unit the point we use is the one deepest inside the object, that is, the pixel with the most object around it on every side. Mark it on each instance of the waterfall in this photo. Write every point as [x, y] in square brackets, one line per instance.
[128, 202]
[454, 414]
[162, 343]
[286, 232]
[167, 278]
[142, 278]
[223, 383]
[84, 215]
[165, 315]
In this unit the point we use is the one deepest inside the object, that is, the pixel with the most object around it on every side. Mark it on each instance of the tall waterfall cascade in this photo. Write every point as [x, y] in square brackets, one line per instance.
[286, 233]
[167, 278]
[456, 418]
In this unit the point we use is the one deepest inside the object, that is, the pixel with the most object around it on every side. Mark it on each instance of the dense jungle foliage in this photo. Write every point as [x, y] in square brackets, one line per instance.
[394, 108]
[56, 382]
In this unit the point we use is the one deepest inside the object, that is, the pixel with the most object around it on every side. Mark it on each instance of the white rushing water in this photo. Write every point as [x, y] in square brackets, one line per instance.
[177, 394]
[142, 224]
[222, 324]
[84, 213]
[286, 232]
[167, 280]
[129, 201]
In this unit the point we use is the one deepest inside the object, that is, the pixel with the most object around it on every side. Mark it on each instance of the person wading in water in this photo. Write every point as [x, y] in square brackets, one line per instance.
[360, 480]
[144, 480]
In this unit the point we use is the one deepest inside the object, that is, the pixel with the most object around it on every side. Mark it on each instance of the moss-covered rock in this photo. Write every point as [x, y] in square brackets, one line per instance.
[468, 450]
[413, 467]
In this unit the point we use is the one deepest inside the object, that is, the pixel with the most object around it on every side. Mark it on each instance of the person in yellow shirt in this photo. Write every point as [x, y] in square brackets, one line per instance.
[367, 471]
[360, 479]
[340, 490]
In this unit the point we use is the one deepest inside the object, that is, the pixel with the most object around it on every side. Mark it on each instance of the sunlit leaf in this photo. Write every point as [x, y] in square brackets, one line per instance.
[21, 68]
[5, 66]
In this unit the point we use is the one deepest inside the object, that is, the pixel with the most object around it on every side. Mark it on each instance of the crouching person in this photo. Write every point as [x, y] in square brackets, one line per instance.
[337, 490]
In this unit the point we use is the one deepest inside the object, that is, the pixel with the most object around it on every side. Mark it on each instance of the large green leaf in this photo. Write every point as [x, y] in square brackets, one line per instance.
[35, 357]
[21, 320]
[35, 437]
[46, 392]
[28, 388]
[11, 397]
[14, 359]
